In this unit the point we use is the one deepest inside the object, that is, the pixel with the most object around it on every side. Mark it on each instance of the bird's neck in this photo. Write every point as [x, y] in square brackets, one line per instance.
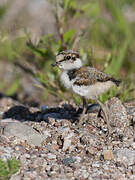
[71, 73]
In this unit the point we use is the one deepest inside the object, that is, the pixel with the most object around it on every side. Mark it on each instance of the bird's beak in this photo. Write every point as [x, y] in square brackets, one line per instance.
[54, 64]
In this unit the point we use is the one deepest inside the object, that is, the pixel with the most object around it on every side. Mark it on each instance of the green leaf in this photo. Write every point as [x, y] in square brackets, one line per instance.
[118, 59]
[116, 13]
[8, 168]
[91, 9]
[68, 36]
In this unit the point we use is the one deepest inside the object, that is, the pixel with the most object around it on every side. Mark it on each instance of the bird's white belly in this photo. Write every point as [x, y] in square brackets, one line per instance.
[93, 91]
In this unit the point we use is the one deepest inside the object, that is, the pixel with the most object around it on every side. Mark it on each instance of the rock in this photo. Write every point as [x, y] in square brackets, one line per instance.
[67, 141]
[68, 161]
[108, 154]
[133, 145]
[117, 114]
[6, 153]
[30, 175]
[55, 147]
[43, 107]
[24, 132]
[51, 115]
[125, 156]
[85, 174]
[96, 164]
[88, 139]
[51, 156]
[38, 161]
[15, 177]
[67, 144]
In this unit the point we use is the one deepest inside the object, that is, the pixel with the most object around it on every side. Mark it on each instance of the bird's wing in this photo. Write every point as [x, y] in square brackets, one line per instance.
[89, 76]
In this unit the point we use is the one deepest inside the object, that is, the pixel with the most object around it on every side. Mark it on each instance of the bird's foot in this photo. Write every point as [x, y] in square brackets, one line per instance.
[81, 120]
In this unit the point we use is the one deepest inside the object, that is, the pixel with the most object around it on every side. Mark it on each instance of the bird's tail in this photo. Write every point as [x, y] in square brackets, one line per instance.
[117, 82]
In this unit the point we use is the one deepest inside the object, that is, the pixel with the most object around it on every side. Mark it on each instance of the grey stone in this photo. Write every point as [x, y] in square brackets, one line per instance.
[125, 156]
[117, 114]
[68, 161]
[7, 153]
[15, 177]
[51, 156]
[23, 132]
[43, 107]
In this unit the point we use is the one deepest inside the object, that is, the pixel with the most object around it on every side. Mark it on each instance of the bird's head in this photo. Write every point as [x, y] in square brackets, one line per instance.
[68, 60]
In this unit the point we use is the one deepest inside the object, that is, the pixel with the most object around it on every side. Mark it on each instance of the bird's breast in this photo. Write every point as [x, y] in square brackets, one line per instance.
[66, 81]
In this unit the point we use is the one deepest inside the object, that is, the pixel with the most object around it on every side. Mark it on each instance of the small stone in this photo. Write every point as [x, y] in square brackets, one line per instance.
[78, 159]
[43, 107]
[132, 177]
[51, 121]
[30, 174]
[63, 131]
[38, 162]
[67, 144]
[133, 145]
[125, 156]
[44, 164]
[88, 139]
[55, 147]
[54, 168]
[15, 177]
[108, 154]
[66, 123]
[48, 167]
[96, 165]
[67, 141]
[68, 161]
[85, 174]
[90, 178]
[51, 156]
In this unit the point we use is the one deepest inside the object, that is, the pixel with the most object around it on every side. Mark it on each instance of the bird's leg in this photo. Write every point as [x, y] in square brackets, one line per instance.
[106, 115]
[83, 112]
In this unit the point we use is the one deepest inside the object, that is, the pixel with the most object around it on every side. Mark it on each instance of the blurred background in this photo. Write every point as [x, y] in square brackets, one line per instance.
[33, 32]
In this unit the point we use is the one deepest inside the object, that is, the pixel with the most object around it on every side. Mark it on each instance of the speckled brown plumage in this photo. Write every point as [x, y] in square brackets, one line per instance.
[88, 76]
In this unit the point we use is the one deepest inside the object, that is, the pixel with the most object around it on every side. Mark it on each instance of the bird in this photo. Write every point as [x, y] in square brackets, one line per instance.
[85, 81]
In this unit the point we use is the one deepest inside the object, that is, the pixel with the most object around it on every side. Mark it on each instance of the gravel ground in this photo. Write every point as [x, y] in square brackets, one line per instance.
[50, 145]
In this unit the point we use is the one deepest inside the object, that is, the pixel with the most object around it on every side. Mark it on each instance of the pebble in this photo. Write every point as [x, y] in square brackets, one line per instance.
[15, 177]
[24, 132]
[67, 144]
[6, 153]
[133, 145]
[108, 155]
[43, 107]
[85, 174]
[125, 156]
[51, 156]
[68, 161]
[96, 165]
[68, 152]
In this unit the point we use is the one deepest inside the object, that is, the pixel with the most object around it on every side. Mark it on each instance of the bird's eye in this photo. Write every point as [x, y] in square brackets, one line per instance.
[74, 58]
[68, 57]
